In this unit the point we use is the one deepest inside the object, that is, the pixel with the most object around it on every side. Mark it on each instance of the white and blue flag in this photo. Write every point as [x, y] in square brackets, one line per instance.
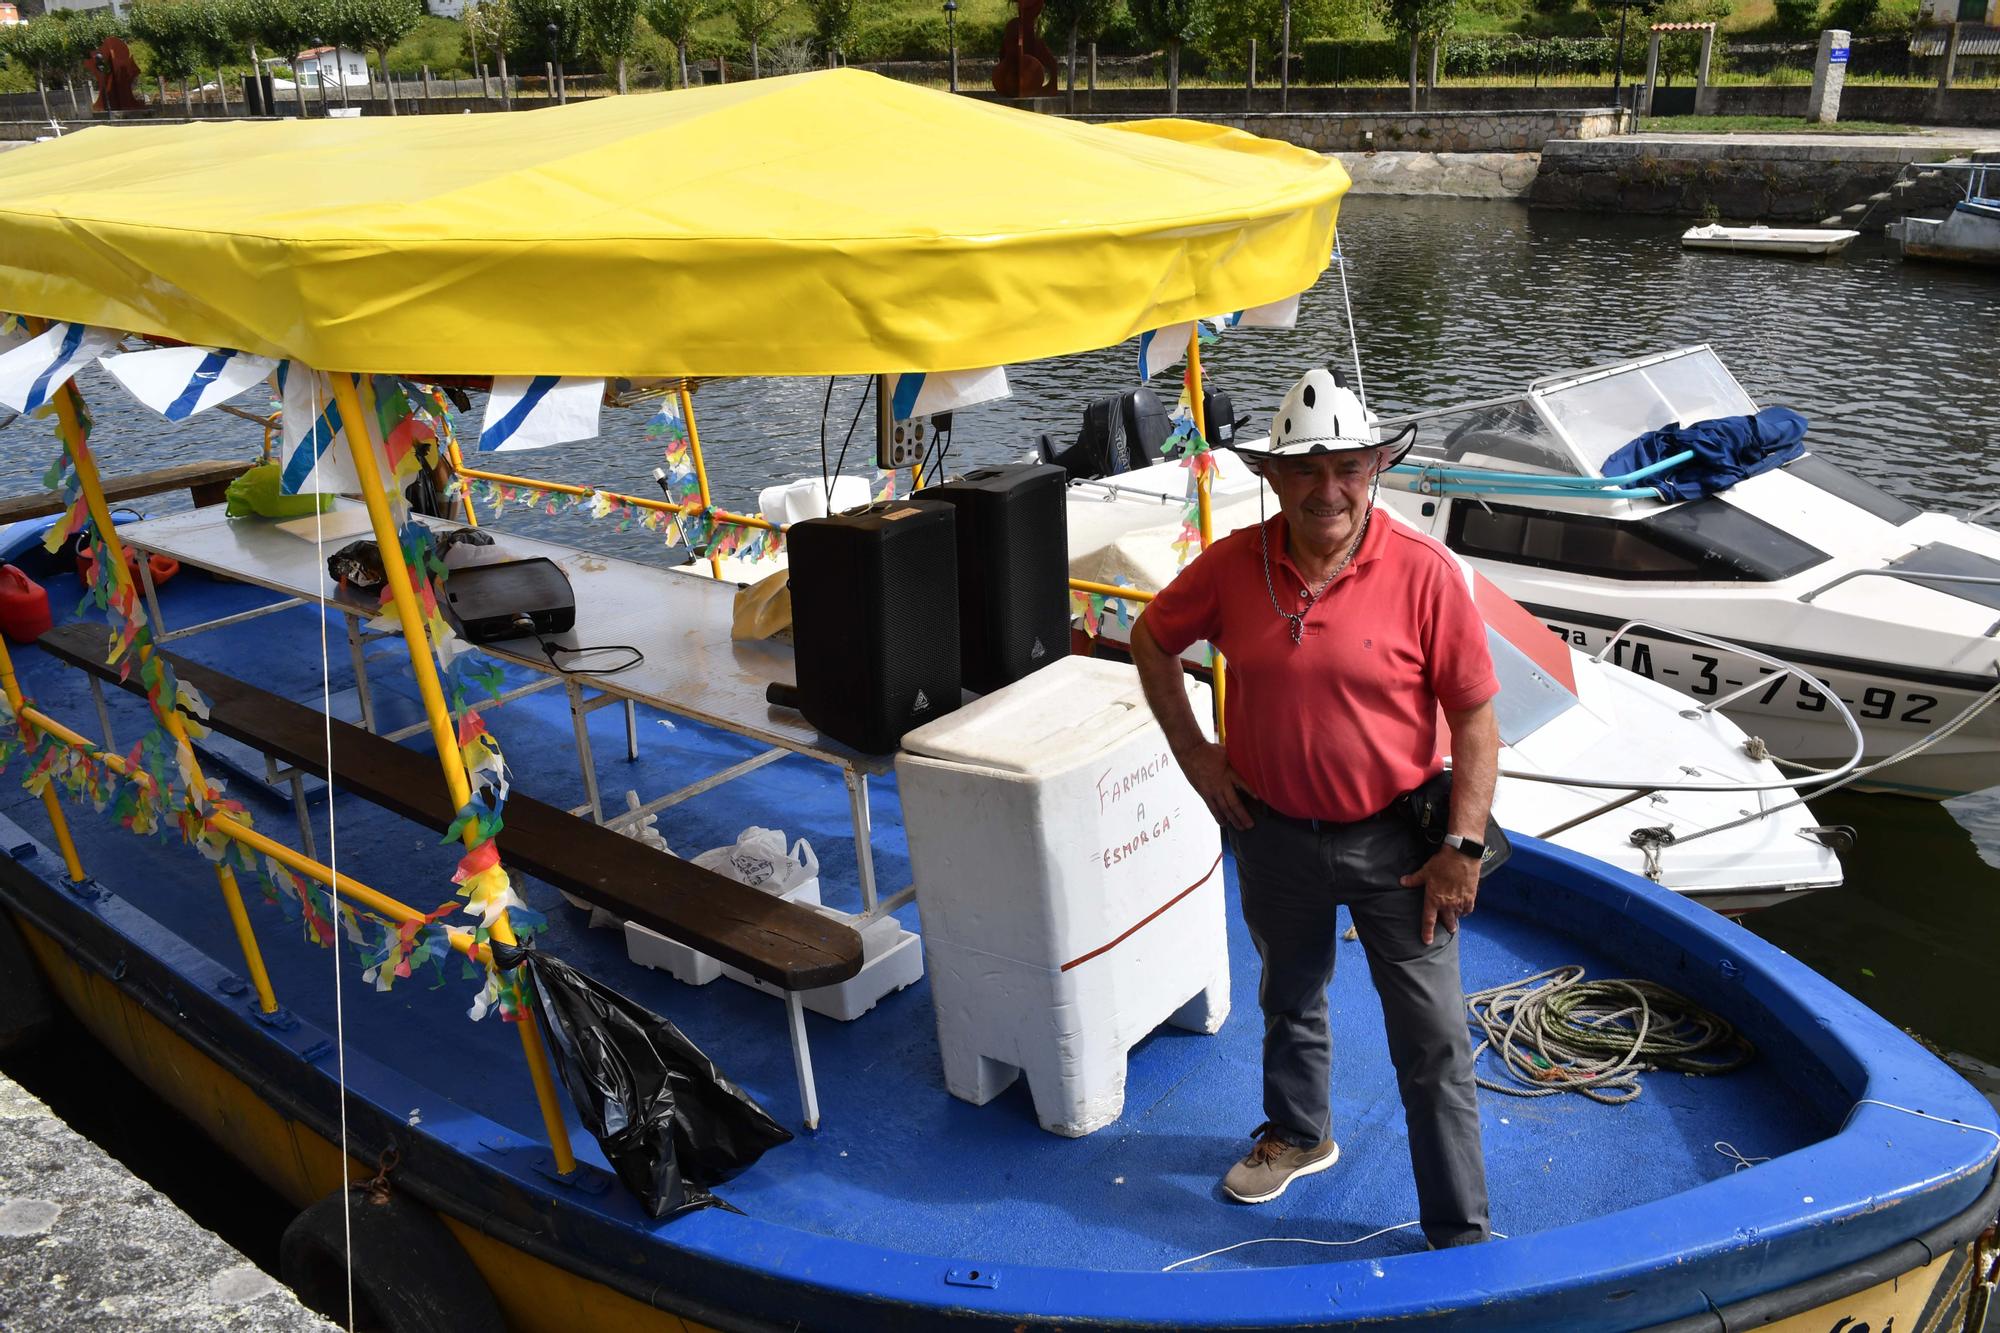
[31, 374]
[528, 412]
[316, 451]
[920, 394]
[178, 382]
[1276, 315]
[1163, 349]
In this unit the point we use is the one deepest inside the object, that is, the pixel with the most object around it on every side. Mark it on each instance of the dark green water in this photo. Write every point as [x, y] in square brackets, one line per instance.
[1897, 367]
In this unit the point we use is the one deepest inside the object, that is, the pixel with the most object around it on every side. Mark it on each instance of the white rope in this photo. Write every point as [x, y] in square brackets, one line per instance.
[333, 890]
[1299, 1240]
[1353, 336]
[1972, 710]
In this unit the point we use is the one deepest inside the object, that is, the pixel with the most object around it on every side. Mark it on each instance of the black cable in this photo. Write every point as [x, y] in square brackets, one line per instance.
[825, 481]
[549, 650]
[849, 440]
[526, 625]
[934, 467]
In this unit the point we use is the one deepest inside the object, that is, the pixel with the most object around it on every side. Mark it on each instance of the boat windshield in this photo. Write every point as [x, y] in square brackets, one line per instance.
[1509, 436]
[1603, 412]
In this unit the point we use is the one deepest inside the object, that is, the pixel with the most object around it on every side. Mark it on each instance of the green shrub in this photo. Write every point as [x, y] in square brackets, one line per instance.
[1798, 15]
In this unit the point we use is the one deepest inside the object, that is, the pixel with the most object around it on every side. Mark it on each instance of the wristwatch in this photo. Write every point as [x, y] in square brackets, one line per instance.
[1467, 846]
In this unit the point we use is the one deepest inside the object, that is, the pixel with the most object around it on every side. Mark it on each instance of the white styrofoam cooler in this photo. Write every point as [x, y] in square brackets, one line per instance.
[1070, 885]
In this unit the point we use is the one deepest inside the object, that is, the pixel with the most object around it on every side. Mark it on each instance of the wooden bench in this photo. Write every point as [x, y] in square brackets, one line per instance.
[205, 482]
[792, 947]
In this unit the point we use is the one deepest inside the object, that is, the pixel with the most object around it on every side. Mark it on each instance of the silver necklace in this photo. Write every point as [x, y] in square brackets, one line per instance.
[1297, 620]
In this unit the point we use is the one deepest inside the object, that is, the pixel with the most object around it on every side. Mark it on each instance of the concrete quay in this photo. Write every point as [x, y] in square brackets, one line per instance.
[86, 1245]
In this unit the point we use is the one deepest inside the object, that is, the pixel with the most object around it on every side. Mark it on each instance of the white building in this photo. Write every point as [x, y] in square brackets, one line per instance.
[446, 9]
[1963, 11]
[341, 66]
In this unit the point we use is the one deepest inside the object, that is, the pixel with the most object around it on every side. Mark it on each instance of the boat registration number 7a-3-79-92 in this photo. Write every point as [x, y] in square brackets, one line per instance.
[1707, 673]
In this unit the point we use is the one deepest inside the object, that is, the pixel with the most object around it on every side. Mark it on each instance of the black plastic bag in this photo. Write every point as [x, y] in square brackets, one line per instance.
[669, 1122]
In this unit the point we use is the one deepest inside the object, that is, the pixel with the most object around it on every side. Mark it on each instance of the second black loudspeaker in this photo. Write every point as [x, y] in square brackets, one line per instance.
[874, 606]
[1013, 571]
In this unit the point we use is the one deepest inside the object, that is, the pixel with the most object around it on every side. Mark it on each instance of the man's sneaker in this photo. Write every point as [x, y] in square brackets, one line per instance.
[1272, 1165]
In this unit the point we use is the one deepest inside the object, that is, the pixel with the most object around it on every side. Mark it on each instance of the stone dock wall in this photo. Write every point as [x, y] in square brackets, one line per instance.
[1743, 182]
[1428, 132]
[86, 1244]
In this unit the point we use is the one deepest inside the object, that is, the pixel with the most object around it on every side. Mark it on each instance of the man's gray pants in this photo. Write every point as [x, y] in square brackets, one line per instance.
[1292, 874]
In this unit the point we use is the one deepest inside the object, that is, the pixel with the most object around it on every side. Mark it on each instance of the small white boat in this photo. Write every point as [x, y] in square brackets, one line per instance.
[1768, 240]
[1891, 606]
[1970, 233]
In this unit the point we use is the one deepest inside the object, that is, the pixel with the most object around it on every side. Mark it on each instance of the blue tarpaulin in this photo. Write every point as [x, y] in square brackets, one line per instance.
[1726, 450]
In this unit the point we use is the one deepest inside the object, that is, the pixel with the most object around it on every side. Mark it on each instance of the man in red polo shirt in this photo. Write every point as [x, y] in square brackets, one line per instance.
[1345, 634]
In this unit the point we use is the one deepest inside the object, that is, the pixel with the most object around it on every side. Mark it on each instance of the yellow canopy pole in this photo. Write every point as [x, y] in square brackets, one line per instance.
[362, 442]
[457, 462]
[66, 403]
[1201, 488]
[50, 802]
[700, 466]
[374, 899]
[1111, 590]
[636, 501]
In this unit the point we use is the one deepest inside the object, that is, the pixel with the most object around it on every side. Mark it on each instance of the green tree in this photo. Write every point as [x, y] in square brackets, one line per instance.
[1171, 24]
[1798, 15]
[41, 46]
[492, 21]
[173, 29]
[612, 30]
[833, 24]
[675, 20]
[535, 18]
[373, 25]
[1416, 21]
[1237, 21]
[1079, 19]
[1857, 16]
[755, 19]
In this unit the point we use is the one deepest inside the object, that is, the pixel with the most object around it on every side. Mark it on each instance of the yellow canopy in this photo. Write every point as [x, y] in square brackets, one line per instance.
[826, 223]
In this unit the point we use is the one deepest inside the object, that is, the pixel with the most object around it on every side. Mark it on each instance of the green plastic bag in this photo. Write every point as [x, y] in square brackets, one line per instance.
[256, 493]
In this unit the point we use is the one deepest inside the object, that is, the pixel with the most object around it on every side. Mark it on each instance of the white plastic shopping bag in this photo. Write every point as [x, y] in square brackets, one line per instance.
[761, 859]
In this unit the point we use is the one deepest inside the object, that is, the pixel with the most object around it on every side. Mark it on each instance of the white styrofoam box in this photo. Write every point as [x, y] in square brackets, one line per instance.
[649, 948]
[891, 959]
[1069, 881]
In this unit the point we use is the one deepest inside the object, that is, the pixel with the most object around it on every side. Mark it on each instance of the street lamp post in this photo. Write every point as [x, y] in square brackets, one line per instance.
[1618, 68]
[951, 28]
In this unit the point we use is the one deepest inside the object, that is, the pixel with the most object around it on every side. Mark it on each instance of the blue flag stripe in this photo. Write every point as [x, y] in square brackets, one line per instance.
[905, 401]
[39, 394]
[299, 467]
[204, 376]
[503, 430]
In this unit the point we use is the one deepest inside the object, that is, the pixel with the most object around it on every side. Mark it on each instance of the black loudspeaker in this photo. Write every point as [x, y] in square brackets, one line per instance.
[1013, 571]
[874, 618]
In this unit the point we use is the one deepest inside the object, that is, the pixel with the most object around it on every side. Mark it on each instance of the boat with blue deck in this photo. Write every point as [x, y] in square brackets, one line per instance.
[1840, 1175]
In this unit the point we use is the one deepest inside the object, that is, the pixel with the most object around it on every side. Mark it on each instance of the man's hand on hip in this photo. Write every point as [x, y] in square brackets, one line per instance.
[1450, 881]
[1208, 772]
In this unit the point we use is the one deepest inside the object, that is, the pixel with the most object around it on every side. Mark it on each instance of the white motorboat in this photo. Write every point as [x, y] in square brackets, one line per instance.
[1597, 759]
[1894, 608]
[1761, 240]
[1970, 232]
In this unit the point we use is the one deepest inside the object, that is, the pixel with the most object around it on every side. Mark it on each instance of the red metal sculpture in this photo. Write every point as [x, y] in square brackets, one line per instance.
[115, 71]
[1027, 66]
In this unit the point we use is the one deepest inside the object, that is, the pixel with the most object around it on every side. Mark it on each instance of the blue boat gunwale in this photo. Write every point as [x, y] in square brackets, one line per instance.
[1729, 1240]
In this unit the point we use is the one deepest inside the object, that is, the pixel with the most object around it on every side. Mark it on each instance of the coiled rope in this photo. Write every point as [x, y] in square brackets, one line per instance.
[1596, 1037]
